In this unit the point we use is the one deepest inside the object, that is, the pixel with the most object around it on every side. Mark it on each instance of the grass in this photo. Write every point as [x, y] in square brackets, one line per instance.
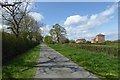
[101, 64]
[112, 44]
[109, 45]
[22, 66]
[97, 48]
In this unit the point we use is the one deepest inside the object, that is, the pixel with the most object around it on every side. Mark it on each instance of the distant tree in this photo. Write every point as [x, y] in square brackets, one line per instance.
[37, 35]
[88, 42]
[67, 41]
[48, 39]
[58, 33]
[63, 40]
[72, 41]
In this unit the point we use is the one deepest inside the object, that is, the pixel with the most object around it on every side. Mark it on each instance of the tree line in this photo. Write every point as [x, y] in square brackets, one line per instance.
[24, 31]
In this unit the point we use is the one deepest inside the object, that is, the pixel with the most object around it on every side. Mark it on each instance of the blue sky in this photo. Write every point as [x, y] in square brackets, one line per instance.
[80, 19]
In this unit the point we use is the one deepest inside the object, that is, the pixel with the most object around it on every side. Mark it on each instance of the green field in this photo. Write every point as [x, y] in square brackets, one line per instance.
[101, 64]
[112, 44]
[111, 48]
[107, 44]
[22, 66]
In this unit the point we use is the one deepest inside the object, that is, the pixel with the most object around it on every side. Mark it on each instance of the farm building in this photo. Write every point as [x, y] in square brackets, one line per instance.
[100, 38]
[80, 40]
[93, 40]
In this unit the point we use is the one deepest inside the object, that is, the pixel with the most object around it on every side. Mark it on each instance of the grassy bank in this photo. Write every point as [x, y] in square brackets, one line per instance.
[23, 65]
[104, 65]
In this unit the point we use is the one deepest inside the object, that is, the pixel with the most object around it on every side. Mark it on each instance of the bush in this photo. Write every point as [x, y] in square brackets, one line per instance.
[12, 46]
[48, 40]
[106, 49]
[72, 41]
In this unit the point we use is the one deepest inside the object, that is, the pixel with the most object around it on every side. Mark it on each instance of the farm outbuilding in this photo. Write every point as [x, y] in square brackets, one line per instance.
[80, 40]
[100, 38]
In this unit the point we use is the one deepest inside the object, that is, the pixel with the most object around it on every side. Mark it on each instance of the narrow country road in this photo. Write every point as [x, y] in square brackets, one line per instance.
[52, 64]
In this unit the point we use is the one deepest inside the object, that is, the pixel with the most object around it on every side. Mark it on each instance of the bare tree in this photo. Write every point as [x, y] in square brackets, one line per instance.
[16, 15]
[13, 13]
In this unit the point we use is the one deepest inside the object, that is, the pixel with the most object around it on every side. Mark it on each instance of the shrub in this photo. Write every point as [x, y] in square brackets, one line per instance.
[48, 39]
[12, 46]
[71, 41]
[106, 49]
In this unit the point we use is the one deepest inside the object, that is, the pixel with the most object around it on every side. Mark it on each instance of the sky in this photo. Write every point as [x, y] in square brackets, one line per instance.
[80, 19]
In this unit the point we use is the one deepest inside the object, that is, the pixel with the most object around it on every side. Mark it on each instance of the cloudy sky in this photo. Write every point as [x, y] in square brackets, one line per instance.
[80, 19]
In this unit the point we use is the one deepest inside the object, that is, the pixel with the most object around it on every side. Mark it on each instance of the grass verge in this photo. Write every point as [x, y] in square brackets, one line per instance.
[23, 65]
[101, 64]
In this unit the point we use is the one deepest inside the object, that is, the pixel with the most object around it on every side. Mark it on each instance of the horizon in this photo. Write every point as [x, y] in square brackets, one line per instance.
[81, 19]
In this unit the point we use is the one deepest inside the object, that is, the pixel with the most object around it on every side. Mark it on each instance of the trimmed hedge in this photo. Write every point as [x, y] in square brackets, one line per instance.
[106, 49]
[12, 46]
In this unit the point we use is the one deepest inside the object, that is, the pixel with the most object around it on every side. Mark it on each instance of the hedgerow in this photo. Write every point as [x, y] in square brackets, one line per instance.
[106, 49]
[12, 46]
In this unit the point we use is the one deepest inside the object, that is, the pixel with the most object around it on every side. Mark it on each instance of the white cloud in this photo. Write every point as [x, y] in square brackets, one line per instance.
[112, 35]
[75, 20]
[45, 30]
[84, 31]
[37, 16]
[77, 25]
